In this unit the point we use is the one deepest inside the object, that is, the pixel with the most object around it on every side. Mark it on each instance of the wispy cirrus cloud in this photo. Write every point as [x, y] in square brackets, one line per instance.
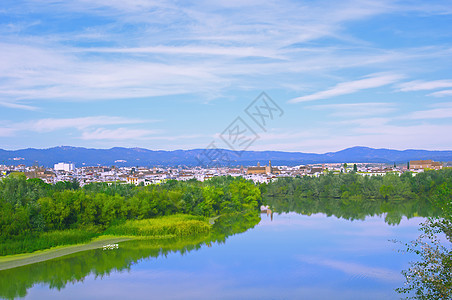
[419, 85]
[93, 128]
[165, 54]
[177, 49]
[53, 124]
[376, 133]
[361, 122]
[442, 111]
[117, 134]
[5, 132]
[194, 50]
[46, 77]
[350, 87]
[17, 105]
[356, 109]
[444, 93]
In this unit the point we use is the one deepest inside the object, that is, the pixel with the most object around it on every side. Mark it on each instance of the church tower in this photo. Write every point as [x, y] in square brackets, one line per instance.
[268, 169]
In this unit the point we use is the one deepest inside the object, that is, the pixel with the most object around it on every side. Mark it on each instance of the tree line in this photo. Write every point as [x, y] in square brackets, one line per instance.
[356, 187]
[32, 207]
[351, 196]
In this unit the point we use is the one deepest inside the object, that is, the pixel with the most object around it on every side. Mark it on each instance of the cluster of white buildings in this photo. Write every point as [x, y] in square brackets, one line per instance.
[64, 167]
[156, 175]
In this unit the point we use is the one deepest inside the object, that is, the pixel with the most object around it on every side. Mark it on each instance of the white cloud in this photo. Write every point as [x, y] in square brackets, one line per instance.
[370, 132]
[437, 113]
[98, 80]
[209, 50]
[283, 134]
[117, 134]
[349, 87]
[179, 137]
[4, 132]
[83, 123]
[364, 122]
[35, 72]
[17, 105]
[419, 85]
[44, 125]
[151, 60]
[193, 50]
[444, 93]
[356, 109]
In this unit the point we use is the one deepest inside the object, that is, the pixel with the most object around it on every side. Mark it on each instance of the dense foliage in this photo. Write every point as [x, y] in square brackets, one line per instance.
[30, 208]
[431, 276]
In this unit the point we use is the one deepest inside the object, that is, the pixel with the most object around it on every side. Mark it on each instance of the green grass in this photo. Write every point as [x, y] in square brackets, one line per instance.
[17, 260]
[175, 225]
[31, 243]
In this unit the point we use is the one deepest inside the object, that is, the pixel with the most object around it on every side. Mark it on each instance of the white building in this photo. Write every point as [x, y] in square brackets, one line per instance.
[64, 167]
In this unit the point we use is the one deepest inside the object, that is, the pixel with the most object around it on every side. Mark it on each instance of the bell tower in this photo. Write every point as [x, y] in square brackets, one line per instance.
[268, 169]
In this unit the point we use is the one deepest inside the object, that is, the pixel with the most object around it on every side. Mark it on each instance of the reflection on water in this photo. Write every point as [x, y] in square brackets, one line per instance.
[57, 273]
[355, 209]
[286, 256]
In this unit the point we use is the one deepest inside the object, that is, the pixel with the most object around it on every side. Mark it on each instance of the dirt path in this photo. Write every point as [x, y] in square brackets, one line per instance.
[14, 261]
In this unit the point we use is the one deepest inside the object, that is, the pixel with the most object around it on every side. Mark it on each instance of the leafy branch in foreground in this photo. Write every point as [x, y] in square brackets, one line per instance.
[431, 276]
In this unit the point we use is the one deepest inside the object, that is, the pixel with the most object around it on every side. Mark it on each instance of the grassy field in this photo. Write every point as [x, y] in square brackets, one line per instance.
[175, 225]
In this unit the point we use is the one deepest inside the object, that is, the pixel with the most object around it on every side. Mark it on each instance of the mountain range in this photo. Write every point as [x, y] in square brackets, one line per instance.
[143, 157]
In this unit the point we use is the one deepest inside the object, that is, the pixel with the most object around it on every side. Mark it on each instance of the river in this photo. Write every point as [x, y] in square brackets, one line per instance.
[288, 256]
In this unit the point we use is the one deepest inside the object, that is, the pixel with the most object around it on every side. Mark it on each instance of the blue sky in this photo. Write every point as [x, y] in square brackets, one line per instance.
[175, 74]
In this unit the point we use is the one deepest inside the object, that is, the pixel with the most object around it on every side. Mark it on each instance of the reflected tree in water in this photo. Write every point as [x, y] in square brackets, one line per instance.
[57, 273]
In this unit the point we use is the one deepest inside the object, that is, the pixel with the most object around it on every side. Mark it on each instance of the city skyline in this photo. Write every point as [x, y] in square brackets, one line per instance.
[169, 75]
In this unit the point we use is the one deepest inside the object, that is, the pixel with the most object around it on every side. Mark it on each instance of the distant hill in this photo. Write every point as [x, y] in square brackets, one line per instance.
[144, 157]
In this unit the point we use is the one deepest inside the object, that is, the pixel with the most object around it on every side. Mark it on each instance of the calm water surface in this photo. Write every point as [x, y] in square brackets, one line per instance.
[292, 256]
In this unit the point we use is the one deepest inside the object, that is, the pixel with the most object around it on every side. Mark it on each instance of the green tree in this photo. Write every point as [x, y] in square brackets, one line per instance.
[431, 276]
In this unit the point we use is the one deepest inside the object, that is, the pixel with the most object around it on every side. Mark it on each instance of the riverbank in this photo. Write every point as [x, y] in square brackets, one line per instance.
[18, 260]
[163, 227]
